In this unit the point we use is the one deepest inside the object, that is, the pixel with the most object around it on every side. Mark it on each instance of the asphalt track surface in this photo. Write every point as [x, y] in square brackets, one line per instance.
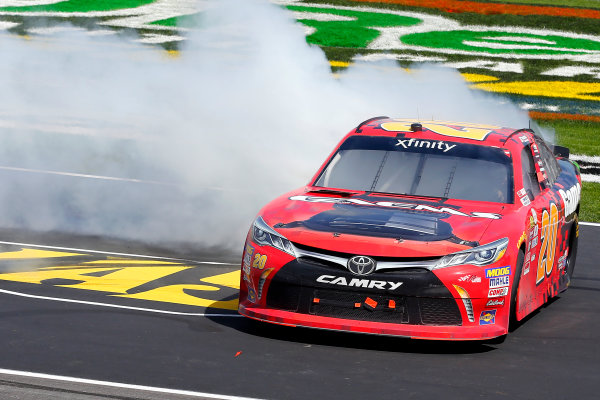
[203, 352]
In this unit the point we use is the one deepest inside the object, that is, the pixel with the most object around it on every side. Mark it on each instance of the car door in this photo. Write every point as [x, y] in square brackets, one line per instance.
[532, 195]
[551, 219]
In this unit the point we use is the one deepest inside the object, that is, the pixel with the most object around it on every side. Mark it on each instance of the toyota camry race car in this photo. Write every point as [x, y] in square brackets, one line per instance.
[431, 230]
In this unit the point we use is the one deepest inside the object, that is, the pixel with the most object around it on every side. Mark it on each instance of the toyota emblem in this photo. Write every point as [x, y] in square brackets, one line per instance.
[361, 265]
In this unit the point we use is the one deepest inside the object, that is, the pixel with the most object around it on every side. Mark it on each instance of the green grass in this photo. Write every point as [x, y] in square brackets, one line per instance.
[590, 204]
[184, 21]
[580, 137]
[81, 6]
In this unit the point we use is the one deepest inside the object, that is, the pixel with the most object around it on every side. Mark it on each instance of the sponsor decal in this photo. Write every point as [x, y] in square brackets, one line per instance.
[571, 198]
[487, 317]
[248, 255]
[526, 268]
[252, 295]
[562, 260]
[470, 278]
[525, 201]
[357, 282]
[495, 272]
[500, 281]
[406, 206]
[495, 302]
[534, 242]
[246, 262]
[430, 144]
[498, 292]
[532, 223]
[524, 139]
[521, 192]
[259, 261]
[361, 265]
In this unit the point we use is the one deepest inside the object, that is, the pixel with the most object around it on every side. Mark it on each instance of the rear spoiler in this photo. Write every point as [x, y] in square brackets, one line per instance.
[561, 151]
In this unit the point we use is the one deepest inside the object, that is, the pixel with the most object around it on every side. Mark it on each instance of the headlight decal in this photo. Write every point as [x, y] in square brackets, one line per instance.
[480, 256]
[264, 235]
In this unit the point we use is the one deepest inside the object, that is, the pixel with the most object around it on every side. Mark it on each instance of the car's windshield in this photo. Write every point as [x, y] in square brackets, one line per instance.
[419, 167]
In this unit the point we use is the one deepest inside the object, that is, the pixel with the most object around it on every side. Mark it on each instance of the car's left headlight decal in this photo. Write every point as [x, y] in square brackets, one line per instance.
[480, 256]
[264, 235]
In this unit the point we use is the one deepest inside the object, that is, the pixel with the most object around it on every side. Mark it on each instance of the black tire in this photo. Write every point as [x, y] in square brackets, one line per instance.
[573, 243]
[515, 290]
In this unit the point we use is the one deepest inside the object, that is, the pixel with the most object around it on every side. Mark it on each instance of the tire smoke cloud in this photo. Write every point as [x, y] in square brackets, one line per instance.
[106, 137]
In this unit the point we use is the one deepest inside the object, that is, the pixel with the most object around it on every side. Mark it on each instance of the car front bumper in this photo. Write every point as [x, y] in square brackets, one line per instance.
[280, 317]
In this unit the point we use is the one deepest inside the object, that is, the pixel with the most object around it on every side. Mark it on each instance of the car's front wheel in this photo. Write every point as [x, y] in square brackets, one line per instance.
[515, 291]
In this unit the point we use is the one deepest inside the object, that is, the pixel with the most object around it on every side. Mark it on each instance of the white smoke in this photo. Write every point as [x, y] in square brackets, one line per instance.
[246, 112]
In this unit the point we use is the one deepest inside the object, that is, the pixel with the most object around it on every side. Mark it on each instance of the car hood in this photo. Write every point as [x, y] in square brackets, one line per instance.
[377, 225]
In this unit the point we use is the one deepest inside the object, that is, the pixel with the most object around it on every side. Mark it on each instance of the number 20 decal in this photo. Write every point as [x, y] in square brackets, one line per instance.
[259, 261]
[548, 239]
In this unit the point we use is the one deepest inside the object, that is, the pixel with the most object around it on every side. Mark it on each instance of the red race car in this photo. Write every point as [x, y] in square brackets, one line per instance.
[430, 230]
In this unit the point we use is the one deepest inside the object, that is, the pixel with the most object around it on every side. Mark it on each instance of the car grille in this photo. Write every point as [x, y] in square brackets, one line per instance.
[339, 304]
[343, 304]
[439, 312]
[283, 296]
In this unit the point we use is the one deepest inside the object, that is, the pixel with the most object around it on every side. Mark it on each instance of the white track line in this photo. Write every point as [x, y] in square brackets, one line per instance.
[589, 223]
[583, 157]
[101, 177]
[122, 385]
[109, 178]
[93, 303]
[113, 253]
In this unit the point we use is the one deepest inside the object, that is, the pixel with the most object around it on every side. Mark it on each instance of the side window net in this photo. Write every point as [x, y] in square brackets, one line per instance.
[530, 181]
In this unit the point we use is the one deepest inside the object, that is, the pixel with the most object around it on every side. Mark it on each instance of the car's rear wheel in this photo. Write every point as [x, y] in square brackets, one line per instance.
[515, 290]
[572, 256]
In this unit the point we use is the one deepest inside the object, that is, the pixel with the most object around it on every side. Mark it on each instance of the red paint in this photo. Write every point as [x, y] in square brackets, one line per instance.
[455, 6]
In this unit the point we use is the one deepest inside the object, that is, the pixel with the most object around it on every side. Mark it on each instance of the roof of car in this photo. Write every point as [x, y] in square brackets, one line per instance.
[436, 130]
